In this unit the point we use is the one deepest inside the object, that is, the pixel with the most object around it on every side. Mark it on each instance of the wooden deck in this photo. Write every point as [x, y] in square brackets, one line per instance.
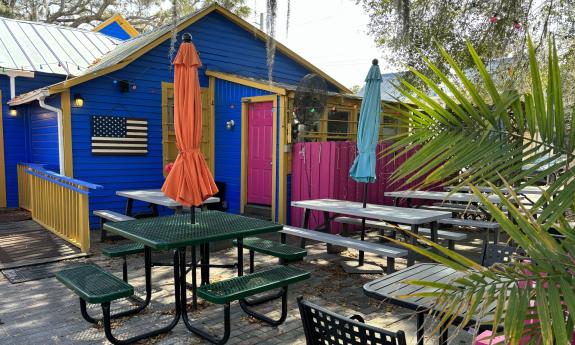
[24, 243]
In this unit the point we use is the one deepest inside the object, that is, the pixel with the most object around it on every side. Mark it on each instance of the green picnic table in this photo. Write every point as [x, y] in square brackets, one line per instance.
[176, 233]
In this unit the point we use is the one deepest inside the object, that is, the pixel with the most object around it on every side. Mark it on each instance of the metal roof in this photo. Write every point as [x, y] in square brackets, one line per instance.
[389, 92]
[133, 45]
[41, 47]
[285, 86]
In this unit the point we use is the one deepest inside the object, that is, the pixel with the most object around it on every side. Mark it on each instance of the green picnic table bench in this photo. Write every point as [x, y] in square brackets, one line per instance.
[281, 251]
[95, 285]
[238, 288]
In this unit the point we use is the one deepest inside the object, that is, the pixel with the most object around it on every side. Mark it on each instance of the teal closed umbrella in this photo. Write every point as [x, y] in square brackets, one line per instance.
[363, 167]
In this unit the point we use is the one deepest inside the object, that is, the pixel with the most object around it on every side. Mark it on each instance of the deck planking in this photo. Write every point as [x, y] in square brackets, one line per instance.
[24, 243]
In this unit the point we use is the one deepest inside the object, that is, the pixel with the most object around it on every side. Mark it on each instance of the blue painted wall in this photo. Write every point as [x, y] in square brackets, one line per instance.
[228, 143]
[42, 134]
[115, 30]
[16, 129]
[223, 46]
[226, 47]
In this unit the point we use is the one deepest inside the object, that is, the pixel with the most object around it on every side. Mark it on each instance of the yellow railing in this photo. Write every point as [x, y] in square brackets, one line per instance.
[58, 203]
[23, 187]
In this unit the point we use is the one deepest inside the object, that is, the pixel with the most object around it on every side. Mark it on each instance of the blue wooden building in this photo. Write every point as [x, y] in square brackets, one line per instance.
[32, 56]
[247, 120]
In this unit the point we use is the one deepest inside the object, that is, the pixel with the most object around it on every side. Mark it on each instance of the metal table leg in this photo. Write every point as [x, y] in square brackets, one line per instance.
[420, 329]
[305, 224]
[240, 245]
[413, 241]
[129, 207]
[178, 305]
[434, 228]
[183, 297]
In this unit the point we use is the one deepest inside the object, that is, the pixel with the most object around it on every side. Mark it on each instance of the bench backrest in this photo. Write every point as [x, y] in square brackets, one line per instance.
[324, 327]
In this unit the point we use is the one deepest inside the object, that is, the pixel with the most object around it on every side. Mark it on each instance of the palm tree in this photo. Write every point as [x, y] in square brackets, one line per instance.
[478, 135]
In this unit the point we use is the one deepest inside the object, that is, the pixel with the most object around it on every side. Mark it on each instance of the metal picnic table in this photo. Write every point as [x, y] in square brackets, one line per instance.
[176, 232]
[391, 214]
[393, 288]
[440, 196]
[155, 197]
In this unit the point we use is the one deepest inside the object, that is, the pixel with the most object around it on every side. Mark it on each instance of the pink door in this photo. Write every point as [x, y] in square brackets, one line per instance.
[260, 122]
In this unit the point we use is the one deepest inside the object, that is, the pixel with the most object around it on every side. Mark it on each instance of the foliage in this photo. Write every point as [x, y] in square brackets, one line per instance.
[407, 30]
[143, 14]
[465, 139]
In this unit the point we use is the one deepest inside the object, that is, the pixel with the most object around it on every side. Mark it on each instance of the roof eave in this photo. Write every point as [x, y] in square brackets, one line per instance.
[29, 97]
[59, 87]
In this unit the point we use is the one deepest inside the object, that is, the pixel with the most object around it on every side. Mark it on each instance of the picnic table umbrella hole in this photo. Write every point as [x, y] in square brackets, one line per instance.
[363, 167]
[189, 181]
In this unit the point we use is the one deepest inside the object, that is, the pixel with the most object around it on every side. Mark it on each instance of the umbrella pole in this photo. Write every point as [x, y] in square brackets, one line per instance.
[363, 223]
[192, 214]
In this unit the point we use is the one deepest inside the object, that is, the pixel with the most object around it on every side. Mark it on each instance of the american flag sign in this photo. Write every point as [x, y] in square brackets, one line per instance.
[117, 135]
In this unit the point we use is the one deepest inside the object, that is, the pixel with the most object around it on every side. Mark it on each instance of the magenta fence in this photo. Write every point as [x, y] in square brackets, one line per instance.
[321, 170]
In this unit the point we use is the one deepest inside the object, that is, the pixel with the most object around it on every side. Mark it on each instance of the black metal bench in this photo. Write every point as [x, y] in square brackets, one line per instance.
[97, 286]
[322, 326]
[282, 251]
[238, 288]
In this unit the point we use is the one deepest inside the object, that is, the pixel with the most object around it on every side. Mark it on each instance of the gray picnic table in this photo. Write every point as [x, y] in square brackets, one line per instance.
[393, 289]
[395, 215]
[155, 197]
[440, 196]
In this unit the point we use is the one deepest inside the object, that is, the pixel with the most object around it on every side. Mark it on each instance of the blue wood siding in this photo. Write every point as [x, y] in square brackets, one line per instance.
[42, 134]
[223, 46]
[103, 97]
[16, 129]
[226, 47]
[115, 30]
[228, 145]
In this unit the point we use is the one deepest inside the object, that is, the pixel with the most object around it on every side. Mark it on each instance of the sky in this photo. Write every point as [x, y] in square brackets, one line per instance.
[331, 34]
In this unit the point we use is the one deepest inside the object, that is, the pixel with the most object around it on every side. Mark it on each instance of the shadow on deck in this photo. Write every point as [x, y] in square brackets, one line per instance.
[25, 242]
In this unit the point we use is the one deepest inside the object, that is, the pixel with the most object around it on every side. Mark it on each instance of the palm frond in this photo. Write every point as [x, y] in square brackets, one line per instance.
[474, 134]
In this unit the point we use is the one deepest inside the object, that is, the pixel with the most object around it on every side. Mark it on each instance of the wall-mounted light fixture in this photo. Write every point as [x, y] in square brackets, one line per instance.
[78, 100]
[230, 125]
[12, 111]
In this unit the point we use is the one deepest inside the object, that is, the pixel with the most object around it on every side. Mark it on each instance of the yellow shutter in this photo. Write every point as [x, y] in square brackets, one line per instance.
[170, 151]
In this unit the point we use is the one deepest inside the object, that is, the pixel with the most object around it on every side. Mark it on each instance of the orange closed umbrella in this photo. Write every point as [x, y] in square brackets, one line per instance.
[190, 182]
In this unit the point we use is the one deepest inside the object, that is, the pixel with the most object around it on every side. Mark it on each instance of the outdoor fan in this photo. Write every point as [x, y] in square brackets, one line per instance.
[309, 102]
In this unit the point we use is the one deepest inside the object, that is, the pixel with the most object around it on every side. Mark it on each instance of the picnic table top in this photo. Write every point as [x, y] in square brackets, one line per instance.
[400, 215]
[176, 231]
[441, 196]
[157, 197]
[393, 287]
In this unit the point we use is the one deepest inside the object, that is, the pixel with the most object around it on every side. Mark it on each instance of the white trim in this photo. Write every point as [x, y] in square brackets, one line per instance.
[119, 139]
[118, 145]
[118, 151]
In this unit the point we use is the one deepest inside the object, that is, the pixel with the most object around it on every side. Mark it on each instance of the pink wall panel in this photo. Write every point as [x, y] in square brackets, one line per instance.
[321, 170]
